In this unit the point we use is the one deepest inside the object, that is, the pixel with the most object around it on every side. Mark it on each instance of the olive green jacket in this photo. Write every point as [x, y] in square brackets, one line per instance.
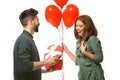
[90, 69]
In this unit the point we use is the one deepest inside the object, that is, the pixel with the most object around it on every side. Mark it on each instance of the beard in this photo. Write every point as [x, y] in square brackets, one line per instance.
[36, 27]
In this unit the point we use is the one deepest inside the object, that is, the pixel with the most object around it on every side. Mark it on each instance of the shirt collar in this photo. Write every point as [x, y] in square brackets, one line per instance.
[27, 33]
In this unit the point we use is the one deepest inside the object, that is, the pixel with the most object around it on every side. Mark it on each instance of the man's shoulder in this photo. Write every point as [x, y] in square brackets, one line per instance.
[22, 38]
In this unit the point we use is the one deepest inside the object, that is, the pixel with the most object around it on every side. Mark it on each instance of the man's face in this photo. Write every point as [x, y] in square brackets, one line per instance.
[36, 24]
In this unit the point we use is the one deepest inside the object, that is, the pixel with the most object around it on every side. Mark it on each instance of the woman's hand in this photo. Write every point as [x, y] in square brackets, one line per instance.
[83, 47]
[69, 53]
[65, 48]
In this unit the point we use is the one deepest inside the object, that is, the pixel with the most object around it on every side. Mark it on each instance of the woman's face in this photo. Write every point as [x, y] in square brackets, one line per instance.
[80, 27]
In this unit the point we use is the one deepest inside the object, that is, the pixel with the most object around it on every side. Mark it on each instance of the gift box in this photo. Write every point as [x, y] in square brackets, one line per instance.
[54, 51]
[57, 66]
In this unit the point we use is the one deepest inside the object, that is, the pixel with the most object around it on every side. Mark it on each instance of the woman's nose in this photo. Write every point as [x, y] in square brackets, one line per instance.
[78, 28]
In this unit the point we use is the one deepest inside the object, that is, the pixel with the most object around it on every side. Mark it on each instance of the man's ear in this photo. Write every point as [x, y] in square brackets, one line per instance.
[30, 22]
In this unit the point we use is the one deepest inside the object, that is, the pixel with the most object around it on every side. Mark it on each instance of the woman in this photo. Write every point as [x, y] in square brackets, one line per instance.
[89, 52]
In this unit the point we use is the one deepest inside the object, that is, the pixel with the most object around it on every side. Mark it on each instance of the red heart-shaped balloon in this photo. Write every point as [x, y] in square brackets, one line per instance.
[70, 14]
[61, 3]
[53, 15]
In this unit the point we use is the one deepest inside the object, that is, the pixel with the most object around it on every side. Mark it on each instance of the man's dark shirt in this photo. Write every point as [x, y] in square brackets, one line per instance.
[25, 53]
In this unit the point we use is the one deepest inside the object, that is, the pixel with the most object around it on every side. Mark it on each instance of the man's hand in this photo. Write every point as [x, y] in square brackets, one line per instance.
[52, 61]
[46, 70]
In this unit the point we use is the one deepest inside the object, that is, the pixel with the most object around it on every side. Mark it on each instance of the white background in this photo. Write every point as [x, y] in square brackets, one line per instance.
[105, 14]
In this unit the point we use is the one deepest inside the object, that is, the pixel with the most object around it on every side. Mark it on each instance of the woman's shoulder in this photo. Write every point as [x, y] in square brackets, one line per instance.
[93, 38]
[77, 43]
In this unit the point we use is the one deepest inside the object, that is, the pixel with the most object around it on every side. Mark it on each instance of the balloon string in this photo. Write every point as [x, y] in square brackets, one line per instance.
[62, 72]
[62, 50]
[62, 32]
[61, 36]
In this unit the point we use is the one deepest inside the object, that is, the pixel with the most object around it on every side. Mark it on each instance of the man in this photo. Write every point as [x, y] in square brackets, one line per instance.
[27, 65]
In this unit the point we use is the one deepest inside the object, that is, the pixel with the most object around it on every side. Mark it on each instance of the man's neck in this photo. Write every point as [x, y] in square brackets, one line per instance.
[29, 30]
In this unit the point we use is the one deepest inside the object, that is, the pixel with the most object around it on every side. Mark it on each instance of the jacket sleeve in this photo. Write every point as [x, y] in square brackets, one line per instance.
[23, 56]
[77, 52]
[97, 50]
